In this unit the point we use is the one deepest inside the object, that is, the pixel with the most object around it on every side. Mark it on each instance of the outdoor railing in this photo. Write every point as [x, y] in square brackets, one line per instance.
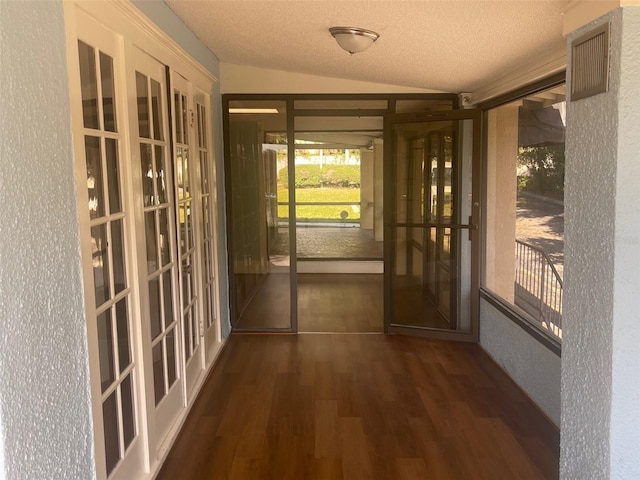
[538, 287]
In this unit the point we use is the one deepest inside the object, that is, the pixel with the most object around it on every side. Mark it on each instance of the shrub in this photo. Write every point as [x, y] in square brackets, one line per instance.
[312, 176]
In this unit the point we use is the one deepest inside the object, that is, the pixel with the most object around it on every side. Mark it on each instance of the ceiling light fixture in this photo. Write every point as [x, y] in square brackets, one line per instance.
[352, 39]
[253, 110]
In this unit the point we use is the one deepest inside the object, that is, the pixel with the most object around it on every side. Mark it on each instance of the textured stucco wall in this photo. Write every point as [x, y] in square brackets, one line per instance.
[45, 404]
[160, 13]
[590, 202]
[625, 394]
[534, 367]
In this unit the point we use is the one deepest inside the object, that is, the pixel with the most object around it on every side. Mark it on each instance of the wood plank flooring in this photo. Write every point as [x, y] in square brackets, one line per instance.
[340, 302]
[331, 406]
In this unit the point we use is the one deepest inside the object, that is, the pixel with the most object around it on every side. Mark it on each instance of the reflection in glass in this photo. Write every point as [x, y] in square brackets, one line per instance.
[158, 372]
[160, 175]
[188, 225]
[117, 254]
[171, 356]
[108, 93]
[426, 290]
[154, 307]
[167, 297]
[178, 108]
[100, 263]
[186, 274]
[88, 79]
[258, 232]
[128, 411]
[179, 173]
[105, 349]
[204, 172]
[122, 324]
[186, 335]
[156, 104]
[151, 238]
[165, 253]
[111, 437]
[185, 122]
[206, 230]
[202, 126]
[146, 163]
[182, 217]
[113, 179]
[185, 171]
[142, 92]
[95, 180]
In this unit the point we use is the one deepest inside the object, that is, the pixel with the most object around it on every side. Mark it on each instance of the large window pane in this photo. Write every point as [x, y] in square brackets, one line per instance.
[525, 215]
[259, 232]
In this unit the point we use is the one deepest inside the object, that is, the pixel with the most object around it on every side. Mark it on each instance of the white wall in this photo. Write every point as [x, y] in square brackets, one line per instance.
[45, 405]
[159, 13]
[246, 79]
[601, 351]
[625, 395]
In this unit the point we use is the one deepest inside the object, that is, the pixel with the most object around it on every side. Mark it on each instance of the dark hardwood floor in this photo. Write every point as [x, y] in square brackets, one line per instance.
[346, 303]
[331, 406]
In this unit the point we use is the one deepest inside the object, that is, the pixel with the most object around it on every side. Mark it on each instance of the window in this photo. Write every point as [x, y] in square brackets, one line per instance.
[524, 253]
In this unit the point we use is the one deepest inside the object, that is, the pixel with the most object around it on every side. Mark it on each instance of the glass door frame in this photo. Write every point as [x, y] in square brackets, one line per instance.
[390, 223]
[395, 102]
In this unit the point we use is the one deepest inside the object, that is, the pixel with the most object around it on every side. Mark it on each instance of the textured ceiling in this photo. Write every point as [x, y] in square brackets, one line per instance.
[445, 45]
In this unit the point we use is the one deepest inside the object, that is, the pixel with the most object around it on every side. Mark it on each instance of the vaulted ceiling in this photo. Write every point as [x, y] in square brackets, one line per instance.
[447, 45]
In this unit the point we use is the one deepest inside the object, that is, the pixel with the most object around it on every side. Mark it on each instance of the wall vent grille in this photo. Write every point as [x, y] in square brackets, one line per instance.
[590, 63]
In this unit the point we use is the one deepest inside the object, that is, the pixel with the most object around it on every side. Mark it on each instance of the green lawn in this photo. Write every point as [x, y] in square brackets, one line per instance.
[322, 212]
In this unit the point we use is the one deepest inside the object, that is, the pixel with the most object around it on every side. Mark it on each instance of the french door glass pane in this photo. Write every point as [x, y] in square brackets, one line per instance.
[95, 183]
[142, 91]
[100, 263]
[105, 349]
[158, 372]
[128, 411]
[150, 235]
[111, 150]
[160, 175]
[146, 162]
[156, 105]
[167, 298]
[178, 108]
[111, 437]
[154, 307]
[171, 356]
[165, 256]
[89, 82]
[185, 122]
[108, 98]
[122, 324]
[117, 254]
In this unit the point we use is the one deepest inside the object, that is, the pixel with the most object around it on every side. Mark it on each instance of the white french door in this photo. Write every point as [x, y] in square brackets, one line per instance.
[186, 187]
[146, 200]
[108, 260]
[209, 322]
[156, 215]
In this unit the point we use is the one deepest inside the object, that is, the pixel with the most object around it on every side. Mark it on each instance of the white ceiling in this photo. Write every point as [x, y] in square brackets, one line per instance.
[447, 45]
